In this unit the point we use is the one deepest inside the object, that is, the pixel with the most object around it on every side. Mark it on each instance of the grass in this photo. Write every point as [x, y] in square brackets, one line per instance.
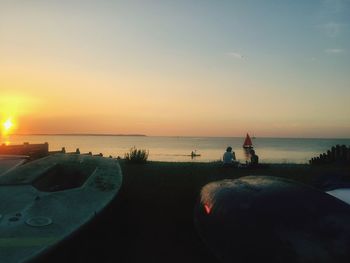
[136, 155]
[159, 199]
[151, 220]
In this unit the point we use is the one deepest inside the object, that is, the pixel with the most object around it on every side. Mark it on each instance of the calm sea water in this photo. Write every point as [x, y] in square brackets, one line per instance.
[276, 150]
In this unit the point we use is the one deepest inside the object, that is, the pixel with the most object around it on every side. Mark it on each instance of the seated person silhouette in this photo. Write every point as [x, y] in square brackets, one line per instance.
[254, 159]
[229, 158]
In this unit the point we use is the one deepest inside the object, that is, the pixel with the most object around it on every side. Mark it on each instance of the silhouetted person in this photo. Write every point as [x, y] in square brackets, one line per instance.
[254, 159]
[229, 158]
[194, 154]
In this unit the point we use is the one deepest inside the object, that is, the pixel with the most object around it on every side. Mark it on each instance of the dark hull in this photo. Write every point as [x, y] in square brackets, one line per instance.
[268, 219]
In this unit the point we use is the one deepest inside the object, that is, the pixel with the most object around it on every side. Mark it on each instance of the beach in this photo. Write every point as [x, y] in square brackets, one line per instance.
[151, 220]
[178, 149]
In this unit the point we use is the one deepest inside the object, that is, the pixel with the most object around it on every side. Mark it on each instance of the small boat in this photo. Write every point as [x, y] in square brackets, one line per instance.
[194, 154]
[44, 202]
[248, 142]
[271, 219]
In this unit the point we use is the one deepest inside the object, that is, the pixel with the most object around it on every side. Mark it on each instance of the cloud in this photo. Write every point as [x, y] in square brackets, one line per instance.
[236, 55]
[333, 17]
[334, 50]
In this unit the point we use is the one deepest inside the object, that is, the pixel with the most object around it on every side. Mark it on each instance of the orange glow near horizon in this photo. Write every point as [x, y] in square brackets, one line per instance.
[98, 68]
[14, 109]
[38, 100]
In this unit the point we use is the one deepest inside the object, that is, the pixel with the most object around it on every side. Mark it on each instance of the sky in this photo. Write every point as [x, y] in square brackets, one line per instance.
[176, 68]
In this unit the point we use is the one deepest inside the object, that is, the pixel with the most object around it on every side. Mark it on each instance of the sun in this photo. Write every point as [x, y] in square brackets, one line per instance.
[7, 126]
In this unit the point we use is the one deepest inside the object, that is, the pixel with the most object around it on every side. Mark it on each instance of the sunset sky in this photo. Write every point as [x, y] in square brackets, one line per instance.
[185, 68]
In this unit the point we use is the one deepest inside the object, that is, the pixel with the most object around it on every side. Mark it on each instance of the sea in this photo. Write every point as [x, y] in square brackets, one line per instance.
[178, 149]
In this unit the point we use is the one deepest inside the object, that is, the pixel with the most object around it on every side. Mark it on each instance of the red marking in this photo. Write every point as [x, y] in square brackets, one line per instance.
[207, 208]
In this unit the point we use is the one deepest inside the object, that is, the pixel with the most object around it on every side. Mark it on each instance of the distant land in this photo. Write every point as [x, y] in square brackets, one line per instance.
[80, 134]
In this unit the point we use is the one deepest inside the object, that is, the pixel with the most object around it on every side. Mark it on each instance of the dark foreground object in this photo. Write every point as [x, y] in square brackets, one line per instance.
[34, 151]
[270, 219]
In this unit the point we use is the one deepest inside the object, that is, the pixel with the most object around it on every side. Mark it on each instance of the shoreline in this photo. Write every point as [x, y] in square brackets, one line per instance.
[179, 150]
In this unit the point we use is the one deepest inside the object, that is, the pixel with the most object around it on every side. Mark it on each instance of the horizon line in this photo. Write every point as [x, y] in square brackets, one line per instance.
[77, 134]
[180, 136]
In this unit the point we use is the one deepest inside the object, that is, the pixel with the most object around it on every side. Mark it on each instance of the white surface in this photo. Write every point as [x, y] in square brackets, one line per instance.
[342, 194]
[67, 210]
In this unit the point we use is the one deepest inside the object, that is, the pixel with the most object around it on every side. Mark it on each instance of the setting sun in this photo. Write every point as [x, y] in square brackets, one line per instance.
[7, 126]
